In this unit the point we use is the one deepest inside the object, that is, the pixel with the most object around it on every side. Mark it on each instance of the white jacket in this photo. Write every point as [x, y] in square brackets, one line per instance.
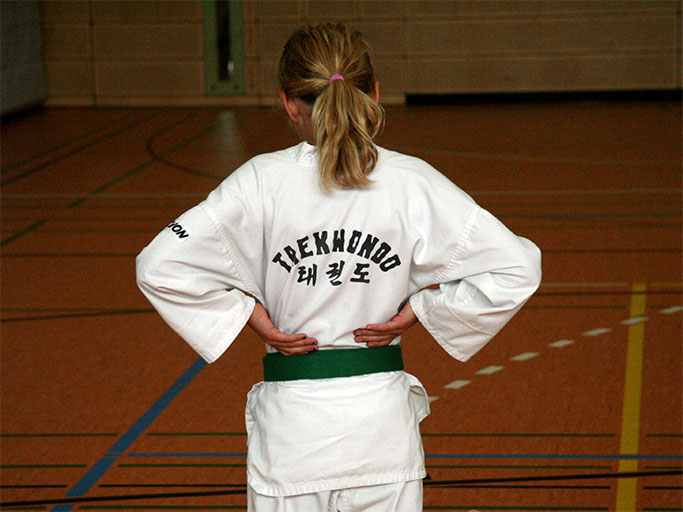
[326, 264]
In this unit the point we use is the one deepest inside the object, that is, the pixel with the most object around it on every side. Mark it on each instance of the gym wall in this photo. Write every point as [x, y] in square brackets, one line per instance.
[153, 52]
[22, 84]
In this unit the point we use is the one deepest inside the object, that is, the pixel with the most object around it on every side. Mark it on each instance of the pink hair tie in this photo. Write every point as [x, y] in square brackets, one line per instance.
[336, 77]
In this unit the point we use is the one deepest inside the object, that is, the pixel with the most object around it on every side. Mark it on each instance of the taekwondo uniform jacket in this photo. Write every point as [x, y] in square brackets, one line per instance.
[326, 264]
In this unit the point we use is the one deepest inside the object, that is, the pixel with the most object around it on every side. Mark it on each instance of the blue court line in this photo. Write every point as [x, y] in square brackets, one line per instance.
[100, 468]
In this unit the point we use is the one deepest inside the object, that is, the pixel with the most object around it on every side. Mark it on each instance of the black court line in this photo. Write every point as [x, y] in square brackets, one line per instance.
[515, 466]
[137, 218]
[61, 145]
[98, 207]
[74, 151]
[61, 434]
[69, 255]
[534, 487]
[161, 158]
[138, 168]
[613, 251]
[126, 174]
[129, 196]
[502, 486]
[180, 145]
[77, 315]
[21, 217]
[507, 157]
[572, 193]
[516, 434]
[21, 233]
[629, 293]
[627, 201]
[601, 202]
[426, 483]
[635, 474]
[99, 230]
[132, 255]
[35, 486]
[174, 211]
[595, 225]
[127, 486]
[587, 215]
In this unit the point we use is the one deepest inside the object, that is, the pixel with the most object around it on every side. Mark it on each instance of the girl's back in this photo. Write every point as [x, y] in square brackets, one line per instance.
[341, 242]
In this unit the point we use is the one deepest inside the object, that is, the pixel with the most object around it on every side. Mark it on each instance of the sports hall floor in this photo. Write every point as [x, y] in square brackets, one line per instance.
[101, 399]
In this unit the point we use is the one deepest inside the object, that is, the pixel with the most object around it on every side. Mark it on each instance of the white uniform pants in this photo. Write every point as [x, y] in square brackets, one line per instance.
[398, 497]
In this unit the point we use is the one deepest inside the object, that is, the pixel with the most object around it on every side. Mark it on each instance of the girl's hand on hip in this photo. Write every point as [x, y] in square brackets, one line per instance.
[287, 344]
[379, 335]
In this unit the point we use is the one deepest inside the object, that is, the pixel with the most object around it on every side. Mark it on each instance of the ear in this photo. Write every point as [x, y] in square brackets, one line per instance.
[376, 93]
[291, 107]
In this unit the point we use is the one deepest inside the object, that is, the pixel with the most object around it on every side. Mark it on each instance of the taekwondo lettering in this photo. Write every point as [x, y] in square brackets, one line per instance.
[339, 241]
[178, 230]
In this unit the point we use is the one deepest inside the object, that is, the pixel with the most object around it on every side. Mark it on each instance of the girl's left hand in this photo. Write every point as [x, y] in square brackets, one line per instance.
[287, 344]
[379, 335]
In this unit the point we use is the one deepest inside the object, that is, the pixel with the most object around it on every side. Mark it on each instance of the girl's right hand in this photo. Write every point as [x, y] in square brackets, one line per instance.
[287, 344]
[380, 335]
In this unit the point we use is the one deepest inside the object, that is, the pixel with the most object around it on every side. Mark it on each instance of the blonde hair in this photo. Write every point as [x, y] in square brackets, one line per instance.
[345, 118]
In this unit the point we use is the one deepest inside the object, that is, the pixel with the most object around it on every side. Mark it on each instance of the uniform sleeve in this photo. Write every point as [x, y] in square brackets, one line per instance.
[192, 276]
[485, 273]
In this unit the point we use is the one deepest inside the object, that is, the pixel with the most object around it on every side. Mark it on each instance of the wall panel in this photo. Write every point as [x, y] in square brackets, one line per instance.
[384, 38]
[566, 35]
[22, 81]
[149, 79]
[72, 80]
[146, 11]
[540, 74]
[153, 50]
[139, 42]
[60, 11]
[66, 42]
[438, 9]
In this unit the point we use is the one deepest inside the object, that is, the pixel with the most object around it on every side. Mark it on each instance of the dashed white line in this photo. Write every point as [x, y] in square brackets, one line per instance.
[635, 320]
[560, 343]
[597, 332]
[489, 370]
[457, 384]
[525, 356]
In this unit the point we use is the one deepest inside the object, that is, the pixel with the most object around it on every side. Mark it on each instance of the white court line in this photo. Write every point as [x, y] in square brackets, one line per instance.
[671, 310]
[432, 398]
[560, 343]
[635, 320]
[457, 384]
[525, 356]
[489, 370]
[597, 332]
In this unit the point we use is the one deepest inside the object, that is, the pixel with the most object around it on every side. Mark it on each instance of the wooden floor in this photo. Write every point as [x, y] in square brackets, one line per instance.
[101, 398]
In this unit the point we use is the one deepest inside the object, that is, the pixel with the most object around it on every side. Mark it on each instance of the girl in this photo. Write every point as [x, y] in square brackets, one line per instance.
[329, 250]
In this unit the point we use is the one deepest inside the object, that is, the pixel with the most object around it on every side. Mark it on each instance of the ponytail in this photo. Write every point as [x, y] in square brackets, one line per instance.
[329, 66]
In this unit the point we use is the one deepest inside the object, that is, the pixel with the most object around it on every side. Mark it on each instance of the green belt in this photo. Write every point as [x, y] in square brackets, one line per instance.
[326, 364]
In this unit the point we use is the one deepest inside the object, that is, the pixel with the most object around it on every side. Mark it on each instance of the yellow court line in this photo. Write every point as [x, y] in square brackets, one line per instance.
[630, 422]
